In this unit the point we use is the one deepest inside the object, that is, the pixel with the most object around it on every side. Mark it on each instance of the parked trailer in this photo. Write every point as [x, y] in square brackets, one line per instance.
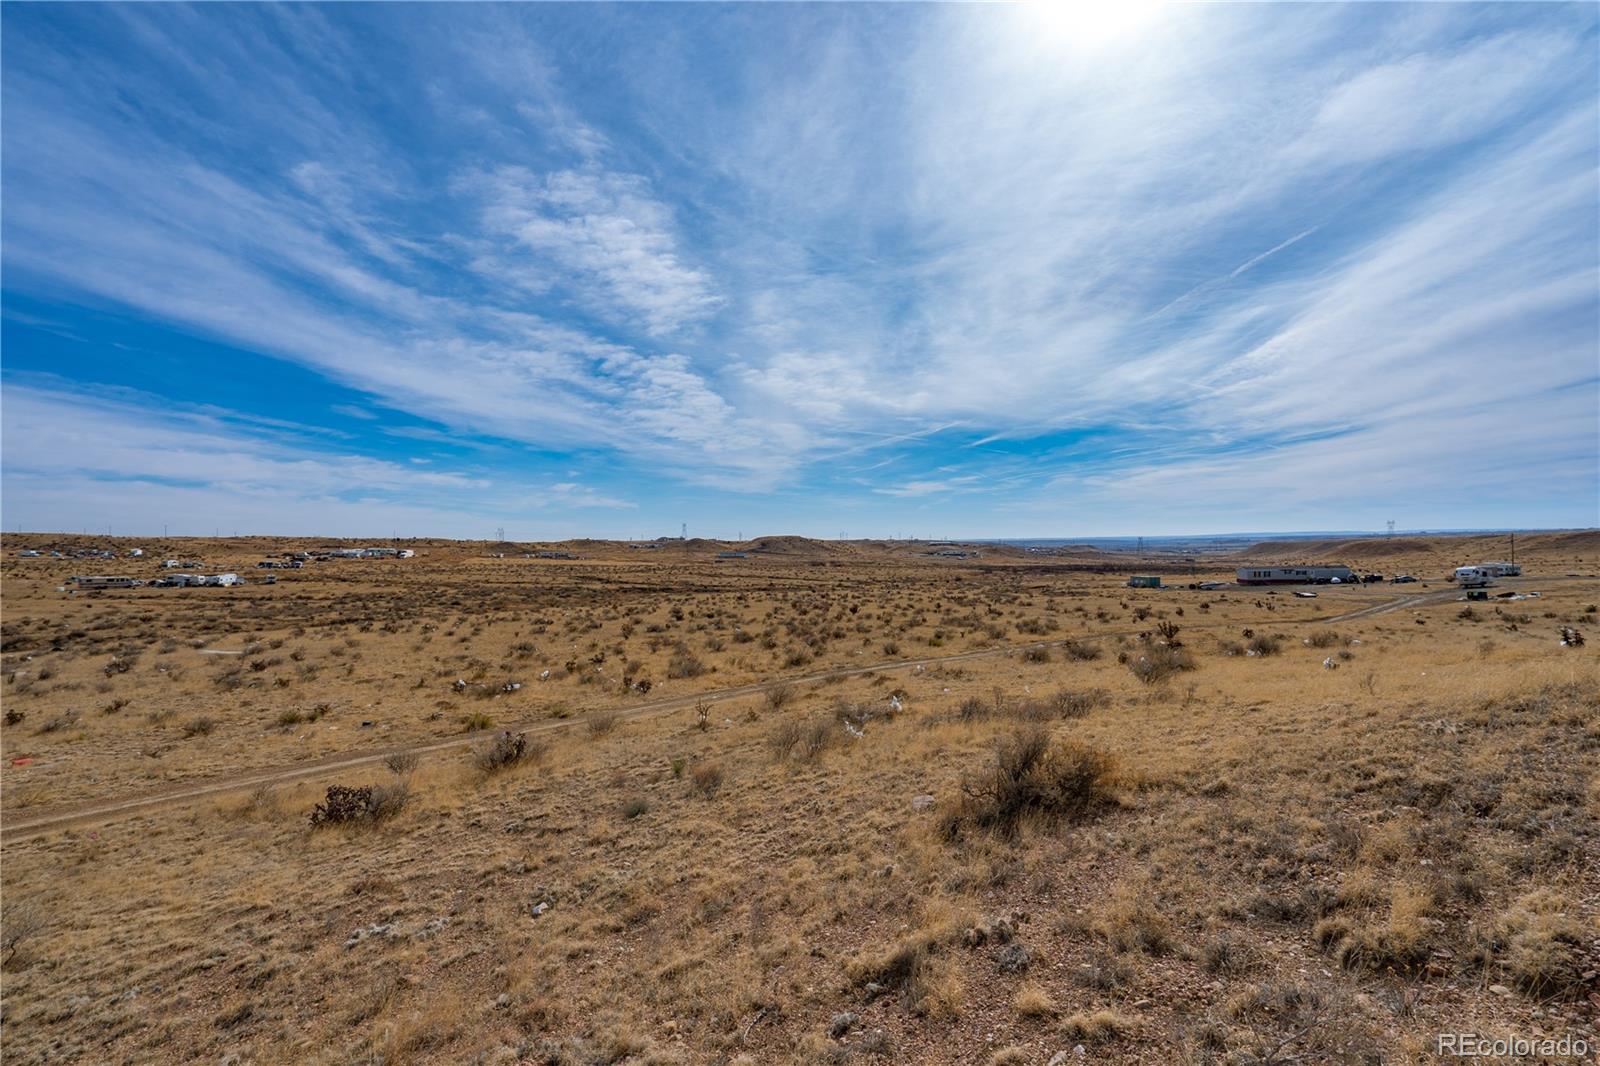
[1472, 577]
[192, 580]
[1295, 575]
[104, 581]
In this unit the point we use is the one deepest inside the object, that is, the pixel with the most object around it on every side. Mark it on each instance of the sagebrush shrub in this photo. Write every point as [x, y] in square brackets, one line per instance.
[1031, 775]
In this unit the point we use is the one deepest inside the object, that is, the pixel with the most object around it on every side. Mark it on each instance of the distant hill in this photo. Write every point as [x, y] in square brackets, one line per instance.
[1446, 549]
[791, 545]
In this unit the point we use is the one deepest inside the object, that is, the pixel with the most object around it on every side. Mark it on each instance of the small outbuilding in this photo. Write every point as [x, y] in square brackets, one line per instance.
[1144, 581]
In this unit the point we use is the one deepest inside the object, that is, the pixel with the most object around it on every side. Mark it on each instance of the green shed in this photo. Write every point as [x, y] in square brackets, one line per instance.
[1144, 581]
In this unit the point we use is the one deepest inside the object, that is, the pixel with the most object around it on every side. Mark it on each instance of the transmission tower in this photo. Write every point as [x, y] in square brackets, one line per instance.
[1391, 527]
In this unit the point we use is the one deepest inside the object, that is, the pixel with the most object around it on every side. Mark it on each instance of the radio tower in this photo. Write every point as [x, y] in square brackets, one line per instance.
[1391, 527]
[683, 533]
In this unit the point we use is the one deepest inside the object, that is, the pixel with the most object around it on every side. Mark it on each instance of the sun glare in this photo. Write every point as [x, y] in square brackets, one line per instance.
[1091, 23]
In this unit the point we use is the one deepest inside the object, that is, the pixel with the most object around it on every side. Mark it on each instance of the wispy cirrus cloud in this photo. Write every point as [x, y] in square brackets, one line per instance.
[598, 232]
[1233, 242]
[201, 463]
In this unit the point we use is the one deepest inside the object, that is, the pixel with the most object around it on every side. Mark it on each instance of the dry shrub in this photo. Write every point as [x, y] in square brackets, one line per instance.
[1031, 776]
[1062, 704]
[684, 664]
[917, 966]
[261, 803]
[1538, 944]
[401, 763]
[780, 696]
[802, 739]
[1070, 704]
[1160, 662]
[602, 723]
[1226, 953]
[974, 709]
[1324, 638]
[506, 750]
[1034, 1002]
[1261, 644]
[20, 922]
[1399, 943]
[1101, 1025]
[1080, 650]
[1129, 920]
[707, 778]
[360, 804]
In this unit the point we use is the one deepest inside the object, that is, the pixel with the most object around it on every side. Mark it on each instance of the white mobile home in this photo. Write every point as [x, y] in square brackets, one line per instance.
[1295, 575]
[102, 581]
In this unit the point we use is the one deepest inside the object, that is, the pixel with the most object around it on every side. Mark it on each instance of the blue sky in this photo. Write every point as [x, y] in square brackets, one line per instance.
[948, 270]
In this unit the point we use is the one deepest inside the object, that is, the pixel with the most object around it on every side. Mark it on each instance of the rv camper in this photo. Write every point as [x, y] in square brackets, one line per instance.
[1472, 577]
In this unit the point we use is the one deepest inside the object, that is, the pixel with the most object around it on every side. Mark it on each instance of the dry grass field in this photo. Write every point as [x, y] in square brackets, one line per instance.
[829, 802]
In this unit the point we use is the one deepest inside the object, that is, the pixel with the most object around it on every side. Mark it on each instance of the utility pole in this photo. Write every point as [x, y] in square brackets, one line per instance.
[1391, 527]
[1513, 549]
[683, 533]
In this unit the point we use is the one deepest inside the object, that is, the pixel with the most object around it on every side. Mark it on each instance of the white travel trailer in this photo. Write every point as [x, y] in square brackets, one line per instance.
[1501, 569]
[1472, 577]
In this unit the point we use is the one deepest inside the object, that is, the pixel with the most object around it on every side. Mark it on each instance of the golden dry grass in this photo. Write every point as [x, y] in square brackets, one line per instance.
[1333, 863]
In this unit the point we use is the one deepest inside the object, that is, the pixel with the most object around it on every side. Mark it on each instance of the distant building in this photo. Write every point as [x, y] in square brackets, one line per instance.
[192, 580]
[1295, 575]
[1144, 581]
[733, 555]
[103, 581]
[1501, 569]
